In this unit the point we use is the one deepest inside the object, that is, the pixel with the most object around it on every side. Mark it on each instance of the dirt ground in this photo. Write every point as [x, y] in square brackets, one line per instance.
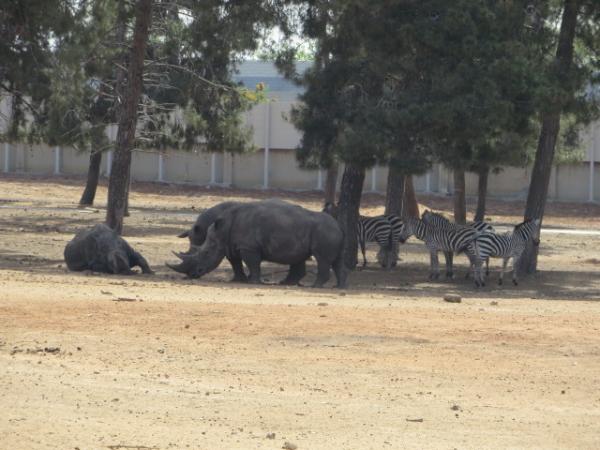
[91, 361]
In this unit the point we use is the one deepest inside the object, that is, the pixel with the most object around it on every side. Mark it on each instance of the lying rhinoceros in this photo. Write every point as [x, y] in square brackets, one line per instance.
[101, 249]
[270, 230]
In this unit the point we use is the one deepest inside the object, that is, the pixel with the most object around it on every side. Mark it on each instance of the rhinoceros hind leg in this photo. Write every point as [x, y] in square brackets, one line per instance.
[341, 274]
[296, 273]
[322, 273]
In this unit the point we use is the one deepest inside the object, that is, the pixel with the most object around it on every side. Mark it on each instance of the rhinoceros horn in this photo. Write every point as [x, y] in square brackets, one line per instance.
[186, 265]
[184, 234]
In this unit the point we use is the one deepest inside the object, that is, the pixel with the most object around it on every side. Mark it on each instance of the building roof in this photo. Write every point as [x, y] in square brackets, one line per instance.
[250, 73]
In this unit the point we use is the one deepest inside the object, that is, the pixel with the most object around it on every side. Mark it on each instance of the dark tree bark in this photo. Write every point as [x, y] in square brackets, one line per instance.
[411, 205]
[348, 210]
[89, 193]
[544, 156]
[394, 195]
[119, 176]
[394, 204]
[460, 209]
[482, 193]
[331, 183]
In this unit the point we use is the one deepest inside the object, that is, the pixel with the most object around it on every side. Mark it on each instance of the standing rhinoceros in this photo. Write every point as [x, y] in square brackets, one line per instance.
[101, 249]
[197, 235]
[274, 231]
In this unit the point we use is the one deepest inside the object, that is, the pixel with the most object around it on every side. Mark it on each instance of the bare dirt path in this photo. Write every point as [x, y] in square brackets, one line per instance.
[105, 362]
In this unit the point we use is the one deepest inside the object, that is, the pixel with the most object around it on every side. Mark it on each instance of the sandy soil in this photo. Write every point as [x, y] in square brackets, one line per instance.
[93, 361]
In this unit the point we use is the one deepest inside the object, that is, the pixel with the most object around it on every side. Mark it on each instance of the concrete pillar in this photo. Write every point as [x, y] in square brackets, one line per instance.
[161, 167]
[592, 163]
[213, 168]
[267, 145]
[374, 179]
[6, 157]
[57, 160]
[109, 158]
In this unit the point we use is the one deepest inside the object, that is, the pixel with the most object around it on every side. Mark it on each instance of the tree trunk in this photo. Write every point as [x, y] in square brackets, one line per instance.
[544, 156]
[394, 195]
[394, 204]
[482, 193]
[126, 212]
[119, 175]
[460, 208]
[89, 193]
[349, 206]
[411, 205]
[331, 183]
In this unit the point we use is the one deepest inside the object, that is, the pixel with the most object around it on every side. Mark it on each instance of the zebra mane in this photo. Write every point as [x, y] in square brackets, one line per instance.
[435, 214]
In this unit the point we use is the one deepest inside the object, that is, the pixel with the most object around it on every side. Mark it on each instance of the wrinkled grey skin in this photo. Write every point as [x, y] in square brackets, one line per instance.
[274, 231]
[197, 235]
[101, 249]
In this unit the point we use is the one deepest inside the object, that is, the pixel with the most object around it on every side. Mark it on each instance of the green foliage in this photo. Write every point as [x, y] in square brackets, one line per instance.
[27, 30]
[460, 82]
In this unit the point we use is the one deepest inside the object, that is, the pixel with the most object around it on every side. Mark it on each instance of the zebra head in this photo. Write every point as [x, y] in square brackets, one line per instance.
[529, 229]
[411, 226]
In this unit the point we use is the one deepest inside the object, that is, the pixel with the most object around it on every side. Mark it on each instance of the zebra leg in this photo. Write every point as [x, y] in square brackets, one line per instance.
[476, 266]
[514, 272]
[364, 253]
[434, 272]
[449, 260]
[487, 266]
[504, 263]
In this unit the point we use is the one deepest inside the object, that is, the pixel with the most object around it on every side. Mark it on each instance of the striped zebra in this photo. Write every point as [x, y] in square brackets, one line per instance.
[505, 246]
[373, 229]
[388, 256]
[383, 229]
[448, 240]
[439, 221]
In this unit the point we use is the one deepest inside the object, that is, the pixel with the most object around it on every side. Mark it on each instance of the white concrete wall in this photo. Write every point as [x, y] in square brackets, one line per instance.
[273, 131]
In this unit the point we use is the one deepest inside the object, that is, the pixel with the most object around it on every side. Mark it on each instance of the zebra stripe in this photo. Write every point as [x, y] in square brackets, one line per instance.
[373, 229]
[447, 239]
[505, 246]
[439, 221]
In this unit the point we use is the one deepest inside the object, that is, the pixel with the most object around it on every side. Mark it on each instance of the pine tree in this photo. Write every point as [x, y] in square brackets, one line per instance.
[568, 82]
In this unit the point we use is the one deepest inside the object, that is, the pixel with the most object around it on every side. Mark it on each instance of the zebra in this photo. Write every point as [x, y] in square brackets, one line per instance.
[383, 229]
[373, 229]
[449, 240]
[388, 256]
[439, 221]
[505, 246]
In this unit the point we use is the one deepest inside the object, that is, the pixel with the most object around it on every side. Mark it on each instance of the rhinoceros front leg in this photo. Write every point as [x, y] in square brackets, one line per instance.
[139, 260]
[118, 263]
[252, 260]
[296, 273]
[238, 270]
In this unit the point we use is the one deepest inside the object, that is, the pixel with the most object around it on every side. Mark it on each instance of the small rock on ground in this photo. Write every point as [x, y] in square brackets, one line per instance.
[452, 298]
